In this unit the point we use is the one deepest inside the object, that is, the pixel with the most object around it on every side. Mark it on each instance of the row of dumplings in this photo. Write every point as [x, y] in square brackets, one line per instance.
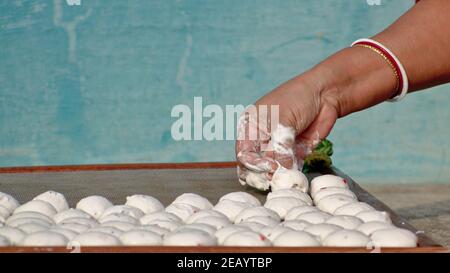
[330, 216]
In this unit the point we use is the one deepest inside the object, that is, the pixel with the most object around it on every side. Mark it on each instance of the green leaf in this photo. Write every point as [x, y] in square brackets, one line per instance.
[325, 147]
[320, 158]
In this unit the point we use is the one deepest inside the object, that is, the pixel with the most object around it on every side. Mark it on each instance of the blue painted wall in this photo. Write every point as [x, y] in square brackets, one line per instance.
[95, 83]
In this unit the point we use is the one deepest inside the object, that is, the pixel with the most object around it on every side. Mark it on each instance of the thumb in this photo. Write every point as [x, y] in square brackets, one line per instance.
[319, 129]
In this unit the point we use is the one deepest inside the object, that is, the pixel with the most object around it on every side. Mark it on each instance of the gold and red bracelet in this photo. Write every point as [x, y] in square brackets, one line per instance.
[392, 61]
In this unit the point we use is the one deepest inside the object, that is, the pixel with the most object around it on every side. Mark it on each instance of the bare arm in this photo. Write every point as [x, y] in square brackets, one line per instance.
[420, 39]
[354, 79]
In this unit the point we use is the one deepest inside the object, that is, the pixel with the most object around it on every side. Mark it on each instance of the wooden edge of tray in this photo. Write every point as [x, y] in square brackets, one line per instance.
[217, 249]
[112, 167]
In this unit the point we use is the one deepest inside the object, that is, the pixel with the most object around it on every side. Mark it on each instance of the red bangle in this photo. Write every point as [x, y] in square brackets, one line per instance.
[392, 60]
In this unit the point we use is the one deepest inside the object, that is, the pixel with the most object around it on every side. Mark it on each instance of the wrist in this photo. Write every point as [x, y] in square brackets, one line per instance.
[354, 79]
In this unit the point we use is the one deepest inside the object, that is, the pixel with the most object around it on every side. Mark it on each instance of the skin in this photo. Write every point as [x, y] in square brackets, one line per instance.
[351, 80]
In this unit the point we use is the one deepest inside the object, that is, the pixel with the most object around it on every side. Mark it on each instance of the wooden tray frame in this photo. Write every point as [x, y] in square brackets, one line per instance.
[425, 245]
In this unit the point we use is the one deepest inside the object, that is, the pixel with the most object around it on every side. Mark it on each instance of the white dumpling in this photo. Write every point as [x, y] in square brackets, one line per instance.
[217, 222]
[370, 227]
[315, 217]
[231, 208]
[70, 213]
[288, 179]
[182, 210]
[69, 234]
[327, 180]
[29, 228]
[293, 213]
[119, 217]
[369, 216]
[30, 214]
[26, 220]
[353, 208]
[296, 238]
[124, 210]
[189, 237]
[37, 206]
[76, 227]
[322, 230]
[45, 238]
[273, 232]
[4, 213]
[345, 221]
[394, 237]
[263, 220]
[170, 225]
[8, 202]
[333, 190]
[123, 226]
[223, 233]
[203, 227]
[56, 199]
[140, 238]
[241, 196]
[256, 211]
[94, 205]
[154, 228]
[246, 238]
[347, 238]
[330, 203]
[295, 193]
[254, 226]
[160, 216]
[80, 220]
[147, 204]
[203, 214]
[281, 205]
[95, 238]
[108, 230]
[14, 235]
[298, 225]
[194, 200]
[4, 241]
[256, 180]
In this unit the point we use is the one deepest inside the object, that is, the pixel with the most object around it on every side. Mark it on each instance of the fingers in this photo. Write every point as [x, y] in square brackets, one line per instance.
[248, 145]
[255, 162]
[283, 143]
[257, 180]
[321, 127]
[242, 174]
[302, 149]
[264, 153]
[248, 153]
[287, 160]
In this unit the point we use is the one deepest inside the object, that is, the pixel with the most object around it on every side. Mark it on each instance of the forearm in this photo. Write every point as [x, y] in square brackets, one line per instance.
[421, 40]
[356, 78]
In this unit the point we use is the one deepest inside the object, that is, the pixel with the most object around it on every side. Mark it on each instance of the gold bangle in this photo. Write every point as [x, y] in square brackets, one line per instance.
[376, 50]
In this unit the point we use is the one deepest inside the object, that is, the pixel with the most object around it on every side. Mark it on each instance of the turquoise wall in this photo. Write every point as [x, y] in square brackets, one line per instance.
[96, 83]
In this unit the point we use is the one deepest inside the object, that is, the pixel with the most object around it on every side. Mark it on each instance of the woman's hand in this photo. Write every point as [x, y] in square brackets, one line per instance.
[309, 105]
[306, 115]
[351, 80]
